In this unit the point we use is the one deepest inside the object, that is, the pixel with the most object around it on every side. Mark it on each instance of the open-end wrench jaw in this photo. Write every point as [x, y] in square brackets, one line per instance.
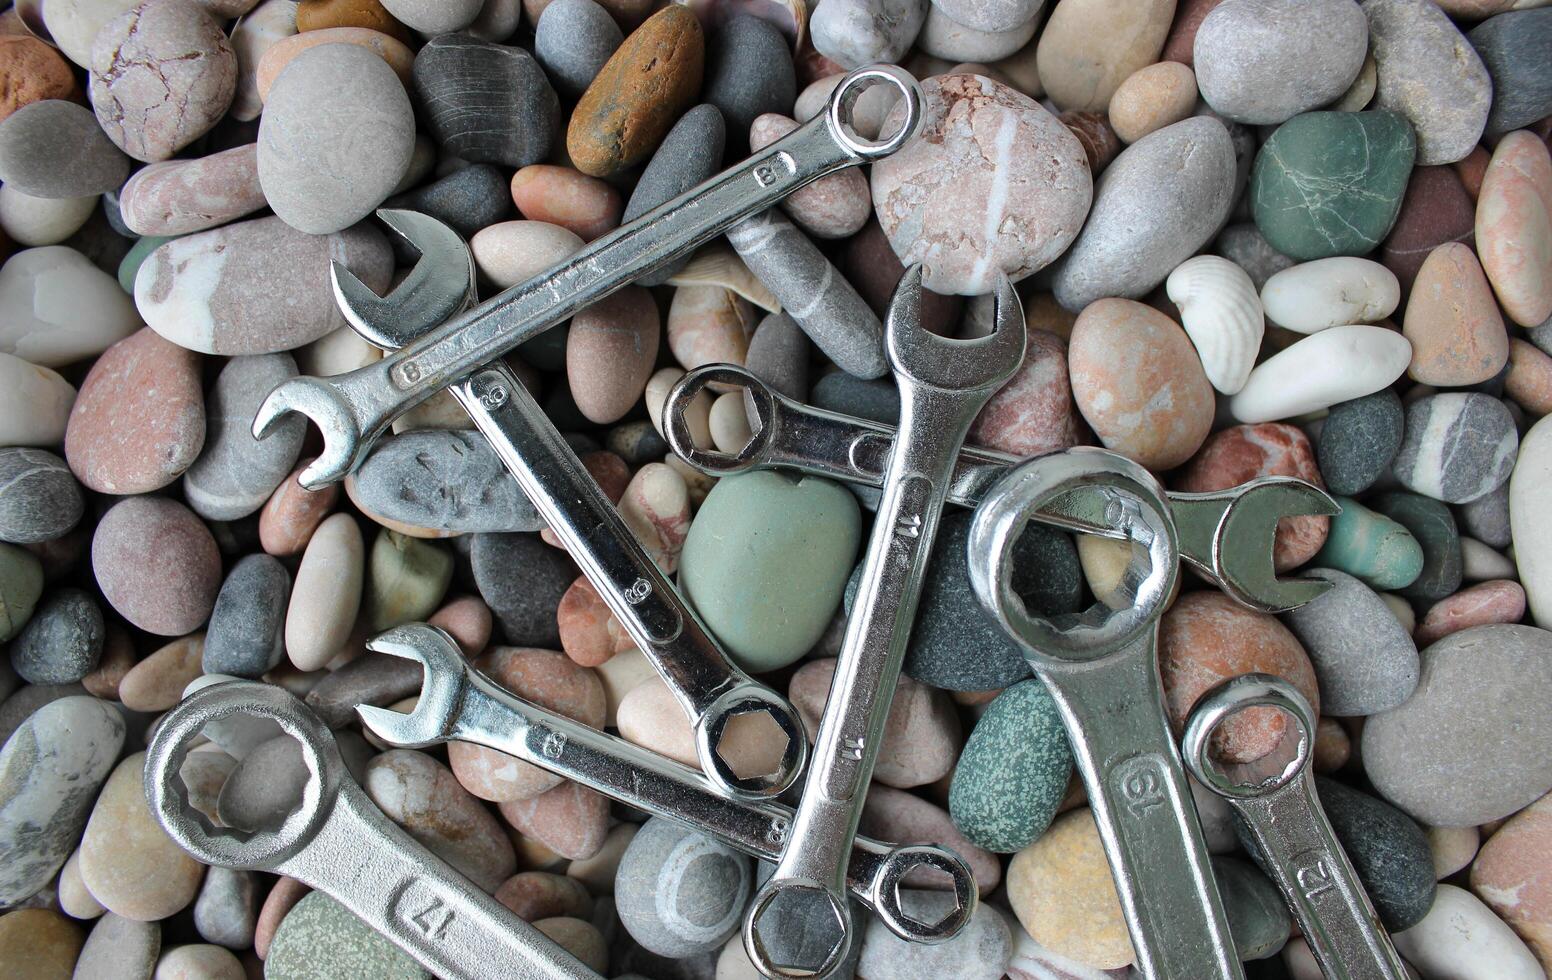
[343, 447]
[439, 286]
[941, 362]
[1239, 537]
[444, 678]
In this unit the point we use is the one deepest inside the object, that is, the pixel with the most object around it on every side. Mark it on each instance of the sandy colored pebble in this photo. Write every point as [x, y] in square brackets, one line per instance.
[130, 864]
[157, 682]
[1060, 889]
[280, 54]
[651, 717]
[326, 595]
[1152, 98]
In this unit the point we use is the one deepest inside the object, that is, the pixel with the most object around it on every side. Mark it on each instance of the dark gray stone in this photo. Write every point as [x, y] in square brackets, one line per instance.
[227, 909]
[749, 72]
[484, 102]
[1432, 524]
[638, 443]
[1245, 246]
[468, 199]
[1364, 659]
[236, 473]
[449, 480]
[1388, 850]
[690, 153]
[522, 580]
[246, 633]
[877, 400]
[1515, 47]
[40, 499]
[62, 642]
[955, 644]
[1258, 917]
[680, 893]
[1541, 335]
[1487, 518]
[373, 678]
[1458, 446]
[56, 149]
[1358, 441]
[573, 40]
[779, 354]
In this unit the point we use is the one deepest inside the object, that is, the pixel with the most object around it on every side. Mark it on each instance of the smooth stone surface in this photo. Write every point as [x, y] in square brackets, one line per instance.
[38, 943]
[859, 32]
[679, 893]
[533, 895]
[706, 325]
[139, 420]
[1531, 532]
[980, 951]
[120, 948]
[1358, 441]
[434, 16]
[583, 205]
[39, 497]
[766, 561]
[1514, 227]
[1323, 369]
[1433, 527]
[267, 24]
[30, 220]
[406, 579]
[1206, 638]
[54, 148]
[486, 102]
[326, 593]
[1265, 61]
[1452, 321]
[1312, 296]
[179, 197]
[689, 154]
[1033, 412]
[878, 400]
[1061, 890]
[1508, 45]
[522, 580]
[227, 907]
[644, 86]
[130, 864]
[570, 819]
[246, 635]
[1363, 658]
[35, 403]
[216, 291]
[612, 346]
[1330, 183]
[921, 733]
[21, 585]
[1258, 917]
[445, 480]
[319, 940]
[292, 514]
[62, 642]
[1460, 937]
[995, 184]
[1157, 204]
[157, 682]
[236, 473]
[1510, 875]
[1458, 446]
[1139, 383]
[1435, 209]
[1487, 602]
[279, 57]
[896, 815]
[748, 71]
[1152, 98]
[778, 355]
[335, 138]
[1089, 47]
[511, 252]
[157, 565]
[1428, 72]
[422, 796]
[573, 40]
[836, 206]
[50, 770]
[468, 199]
[1471, 745]
[1013, 772]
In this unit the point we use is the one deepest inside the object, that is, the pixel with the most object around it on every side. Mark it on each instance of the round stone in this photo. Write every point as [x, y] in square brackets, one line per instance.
[162, 74]
[1389, 852]
[1452, 321]
[157, 682]
[32, 72]
[852, 33]
[1458, 446]
[1364, 659]
[246, 636]
[62, 642]
[1265, 61]
[227, 907]
[236, 473]
[1428, 72]
[127, 860]
[1358, 441]
[38, 943]
[1061, 890]
[678, 893]
[571, 820]
[1013, 772]
[586, 206]
[486, 102]
[1152, 98]
[318, 940]
[995, 184]
[54, 148]
[1471, 745]
[39, 497]
[573, 40]
[157, 565]
[335, 138]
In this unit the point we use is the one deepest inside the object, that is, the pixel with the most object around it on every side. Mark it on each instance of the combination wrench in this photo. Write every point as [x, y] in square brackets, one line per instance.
[710, 689]
[943, 385]
[1227, 535]
[1101, 667]
[1284, 815]
[339, 843]
[458, 703]
[352, 410]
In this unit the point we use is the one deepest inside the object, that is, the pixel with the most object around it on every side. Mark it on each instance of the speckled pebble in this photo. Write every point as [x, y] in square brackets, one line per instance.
[62, 642]
[246, 635]
[39, 497]
[319, 940]
[1013, 771]
[522, 579]
[1358, 440]
[157, 565]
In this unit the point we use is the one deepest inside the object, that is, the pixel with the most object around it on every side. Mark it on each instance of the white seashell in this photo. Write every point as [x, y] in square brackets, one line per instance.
[1332, 366]
[717, 264]
[1222, 316]
[1330, 292]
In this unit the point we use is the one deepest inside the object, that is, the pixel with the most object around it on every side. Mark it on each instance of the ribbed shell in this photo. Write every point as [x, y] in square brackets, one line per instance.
[718, 265]
[1222, 315]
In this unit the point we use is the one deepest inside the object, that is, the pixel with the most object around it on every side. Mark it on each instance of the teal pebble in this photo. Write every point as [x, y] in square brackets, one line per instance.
[1432, 524]
[1013, 771]
[1258, 917]
[21, 585]
[319, 940]
[137, 254]
[766, 561]
[1370, 547]
[1331, 183]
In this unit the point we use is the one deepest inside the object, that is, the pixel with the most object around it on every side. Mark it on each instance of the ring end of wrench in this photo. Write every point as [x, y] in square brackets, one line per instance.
[750, 698]
[791, 889]
[843, 99]
[676, 426]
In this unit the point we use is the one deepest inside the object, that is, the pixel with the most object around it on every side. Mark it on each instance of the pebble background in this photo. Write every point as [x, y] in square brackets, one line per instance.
[1307, 238]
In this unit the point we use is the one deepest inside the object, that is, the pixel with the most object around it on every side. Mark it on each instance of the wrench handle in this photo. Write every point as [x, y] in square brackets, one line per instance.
[1114, 711]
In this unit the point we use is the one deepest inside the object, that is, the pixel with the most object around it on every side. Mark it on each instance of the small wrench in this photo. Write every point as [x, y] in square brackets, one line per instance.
[459, 703]
[943, 385]
[709, 688]
[338, 842]
[1101, 667]
[353, 409]
[1227, 535]
[1285, 817]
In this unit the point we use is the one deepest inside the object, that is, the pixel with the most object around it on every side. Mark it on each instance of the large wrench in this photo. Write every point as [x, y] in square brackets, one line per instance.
[943, 384]
[339, 843]
[1284, 815]
[353, 409]
[710, 689]
[458, 702]
[1227, 535]
[1101, 667]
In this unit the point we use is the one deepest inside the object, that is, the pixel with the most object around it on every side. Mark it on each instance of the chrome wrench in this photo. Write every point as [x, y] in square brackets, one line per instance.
[1101, 667]
[943, 384]
[709, 688]
[338, 842]
[353, 409]
[458, 703]
[1227, 535]
[1285, 817]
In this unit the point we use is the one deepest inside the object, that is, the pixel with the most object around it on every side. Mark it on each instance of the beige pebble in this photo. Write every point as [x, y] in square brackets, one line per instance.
[581, 939]
[1061, 890]
[709, 325]
[699, 484]
[1152, 98]
[1453, 848]
[75, 899]
[696, 414]
[34, 221]
[729, 422]
[326, 595]
[199, 961]
[656, 507]
[651, 717]
[621, 674]
[157, 682]
[597, 872]
[127, 860]
[419, 794]
[511, 252]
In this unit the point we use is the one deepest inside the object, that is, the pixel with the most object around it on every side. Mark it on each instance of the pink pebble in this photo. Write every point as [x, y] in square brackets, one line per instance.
[1498, 601]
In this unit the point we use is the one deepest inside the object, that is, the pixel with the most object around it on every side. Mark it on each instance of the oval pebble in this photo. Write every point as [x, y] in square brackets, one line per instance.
[522, 580]
[1330, 292]
[1458, 446]
[183, 196]
[158, 681]
[1428, 72]
[708, 325]
[34, 71]
[1514, 227]
[533, 895]
[236, 473]
[1433, 527]
[293, 513]
[1151, 98]
[246, 635]
[62, 642]
[1089, 47]
[1452, 321]
[35, 404]
[586, 206]
[157, 565]
[1061, 890]
[573, 40]
[445, 481]
[1371, 547]
[38, 943]
[678, 893]
[1358, 440]
[1363, 658]
[835, 206]
[610, 350]
[421, 795]
[650, 715]
[130, 864]
[1436, 209]
[326, 593]
[39, 497]
[980, 951]
[1530, 531]
[570, 819]
[689, 154]
[60, 308]
[1462, 938]
[55, 148]
[227, 907]
[406, 579]
[1332, 366]
[1013, 771]
[859, 32]
[921, 734]
[511, 252]
[1265, 61]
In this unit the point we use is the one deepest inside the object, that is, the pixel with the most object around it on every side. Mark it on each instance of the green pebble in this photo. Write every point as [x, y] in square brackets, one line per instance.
[21, 585]
[137, 254]
[319, 940]
[1258, 918]
[1432, 524]
[1331, 183]
[1371, 548]
[766, 561]
[406, 579]
[1013, 771]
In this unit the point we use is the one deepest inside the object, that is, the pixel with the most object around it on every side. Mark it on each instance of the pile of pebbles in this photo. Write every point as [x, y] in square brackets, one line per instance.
[1310, 238]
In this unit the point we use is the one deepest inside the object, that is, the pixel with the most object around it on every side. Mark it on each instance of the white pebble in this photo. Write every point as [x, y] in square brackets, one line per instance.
[33, 221]
[1461, 939]
[729, 423]
[1332, 366]
[1330, 292]
[35, 403]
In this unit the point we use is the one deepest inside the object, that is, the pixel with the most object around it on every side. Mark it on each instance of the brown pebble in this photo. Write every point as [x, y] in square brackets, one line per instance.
[709, 324]
[589, 632]
[834, 206]
[127, 860]
[1472, 169]
[649, 81]
[1435, 209]
[921, 737]
[570, 819]
[118, 656]
[580, 939]
[533, 895]
[1529, 381]
[31, 71]
[1181, 42]
[1100, 142]
[282, 897]
[1498, 601]
[585, 206]
[293, 513]
[1452, 321]
[1152, 98]
[1033, 413]
[317, 15]
[610, 351]
[1333, 746]
[39, 944]
[139, 419]
[157, 682]
[468, 620]
[157, 565]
